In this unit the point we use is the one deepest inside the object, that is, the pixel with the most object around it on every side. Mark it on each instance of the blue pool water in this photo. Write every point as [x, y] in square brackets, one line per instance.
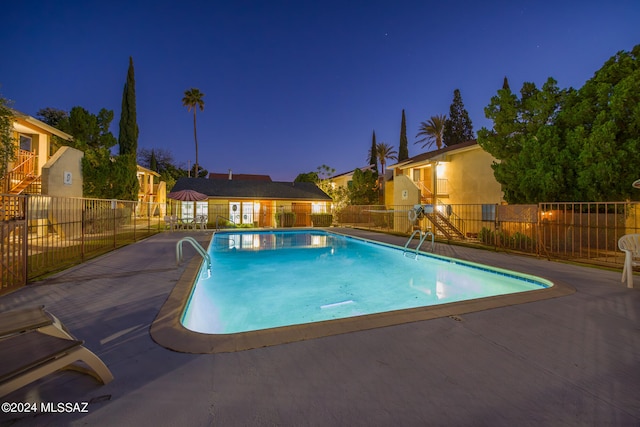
[262, 280]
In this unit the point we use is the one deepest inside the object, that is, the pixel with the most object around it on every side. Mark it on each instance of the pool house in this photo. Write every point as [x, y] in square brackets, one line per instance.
[254, 202]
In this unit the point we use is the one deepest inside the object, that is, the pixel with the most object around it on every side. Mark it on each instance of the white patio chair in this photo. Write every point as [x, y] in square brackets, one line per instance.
[170, 222]
[202, 222]
[167, 222]
[630, 245]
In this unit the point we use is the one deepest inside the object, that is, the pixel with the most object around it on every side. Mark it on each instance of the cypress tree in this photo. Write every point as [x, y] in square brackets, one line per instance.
[128, 136]
[373, 153]
[403, 148]
[128, 139]
[153, 162]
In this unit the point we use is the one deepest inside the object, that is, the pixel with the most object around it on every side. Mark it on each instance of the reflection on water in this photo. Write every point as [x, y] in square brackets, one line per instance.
[269, 240]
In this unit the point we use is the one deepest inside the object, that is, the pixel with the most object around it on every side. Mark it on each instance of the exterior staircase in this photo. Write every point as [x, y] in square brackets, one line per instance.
[23, 184]
[444, 226]
[22, 177]
[19, 180]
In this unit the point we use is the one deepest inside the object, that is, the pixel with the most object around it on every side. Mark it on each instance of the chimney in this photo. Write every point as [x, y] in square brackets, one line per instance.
[230, 175]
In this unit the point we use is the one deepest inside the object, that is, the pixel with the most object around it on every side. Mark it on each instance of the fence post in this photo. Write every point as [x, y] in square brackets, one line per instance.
[25, 241]
[133, 211]
[83, 229]
[114, 208]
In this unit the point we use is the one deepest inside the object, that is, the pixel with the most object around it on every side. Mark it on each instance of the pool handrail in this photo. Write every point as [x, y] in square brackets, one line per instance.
[423, 236]
[196, 246]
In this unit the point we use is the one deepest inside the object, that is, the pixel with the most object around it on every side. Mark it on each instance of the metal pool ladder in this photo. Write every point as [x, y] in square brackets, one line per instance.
[423, 237]
[196, 246]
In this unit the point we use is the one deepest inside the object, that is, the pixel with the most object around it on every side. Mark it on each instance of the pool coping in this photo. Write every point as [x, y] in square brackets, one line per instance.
[168, 331]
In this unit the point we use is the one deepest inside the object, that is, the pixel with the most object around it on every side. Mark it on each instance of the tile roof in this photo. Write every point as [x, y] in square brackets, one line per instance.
[228, 189]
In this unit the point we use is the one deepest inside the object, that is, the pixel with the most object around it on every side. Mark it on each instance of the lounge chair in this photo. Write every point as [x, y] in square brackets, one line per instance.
[630, 245]
[34, 343]
[34, 318]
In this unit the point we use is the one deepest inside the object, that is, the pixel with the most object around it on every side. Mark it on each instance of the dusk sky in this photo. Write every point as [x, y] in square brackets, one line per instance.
[292, 85]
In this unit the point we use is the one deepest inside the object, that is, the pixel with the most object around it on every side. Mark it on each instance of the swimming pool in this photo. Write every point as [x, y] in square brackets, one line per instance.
[273, 279]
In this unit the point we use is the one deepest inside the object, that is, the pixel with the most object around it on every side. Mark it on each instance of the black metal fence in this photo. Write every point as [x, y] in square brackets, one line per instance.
[584, 232]
[41, 234]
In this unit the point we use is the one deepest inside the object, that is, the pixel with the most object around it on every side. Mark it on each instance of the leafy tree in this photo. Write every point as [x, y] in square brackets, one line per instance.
[458, 127]
[403, 149]
[569, 145]
[153, 161]
[128, 138]
[363, 188]
[164, 165]
[100, 171]
[100, 174]
[373, 152]
[307, 177]
[385, 152]
[602, 121]
[322, 178]
[432, 131]
[322, 173]
[7, 141]
[193, 100]
[89, 131]
[202, 172]
[535, 164]
[53, 117]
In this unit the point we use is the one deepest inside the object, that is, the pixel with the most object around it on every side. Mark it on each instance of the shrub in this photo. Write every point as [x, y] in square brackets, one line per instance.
[285, 219]
[486, 236]
[322, 219]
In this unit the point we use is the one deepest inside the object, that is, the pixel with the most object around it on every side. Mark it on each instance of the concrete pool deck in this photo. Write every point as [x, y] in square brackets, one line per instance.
[571, 360]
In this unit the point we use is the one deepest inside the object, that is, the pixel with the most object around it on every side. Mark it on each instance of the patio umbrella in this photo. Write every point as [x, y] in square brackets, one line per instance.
[187, 196]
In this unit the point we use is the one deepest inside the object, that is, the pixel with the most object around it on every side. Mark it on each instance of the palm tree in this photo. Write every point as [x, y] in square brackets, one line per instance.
[193, 100]
[432, 131]
[385, 151]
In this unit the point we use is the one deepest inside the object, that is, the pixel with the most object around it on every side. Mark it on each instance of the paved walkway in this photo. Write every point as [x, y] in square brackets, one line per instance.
[568, 361]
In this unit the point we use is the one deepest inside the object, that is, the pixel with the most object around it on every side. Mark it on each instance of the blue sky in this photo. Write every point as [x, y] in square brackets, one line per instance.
[292, 85]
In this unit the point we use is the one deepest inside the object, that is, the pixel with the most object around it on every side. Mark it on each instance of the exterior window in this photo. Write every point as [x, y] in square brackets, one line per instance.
[318, 207]
[202, 208]
[247, 212]
[25, 143]
[186, 209]
[488, 212]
